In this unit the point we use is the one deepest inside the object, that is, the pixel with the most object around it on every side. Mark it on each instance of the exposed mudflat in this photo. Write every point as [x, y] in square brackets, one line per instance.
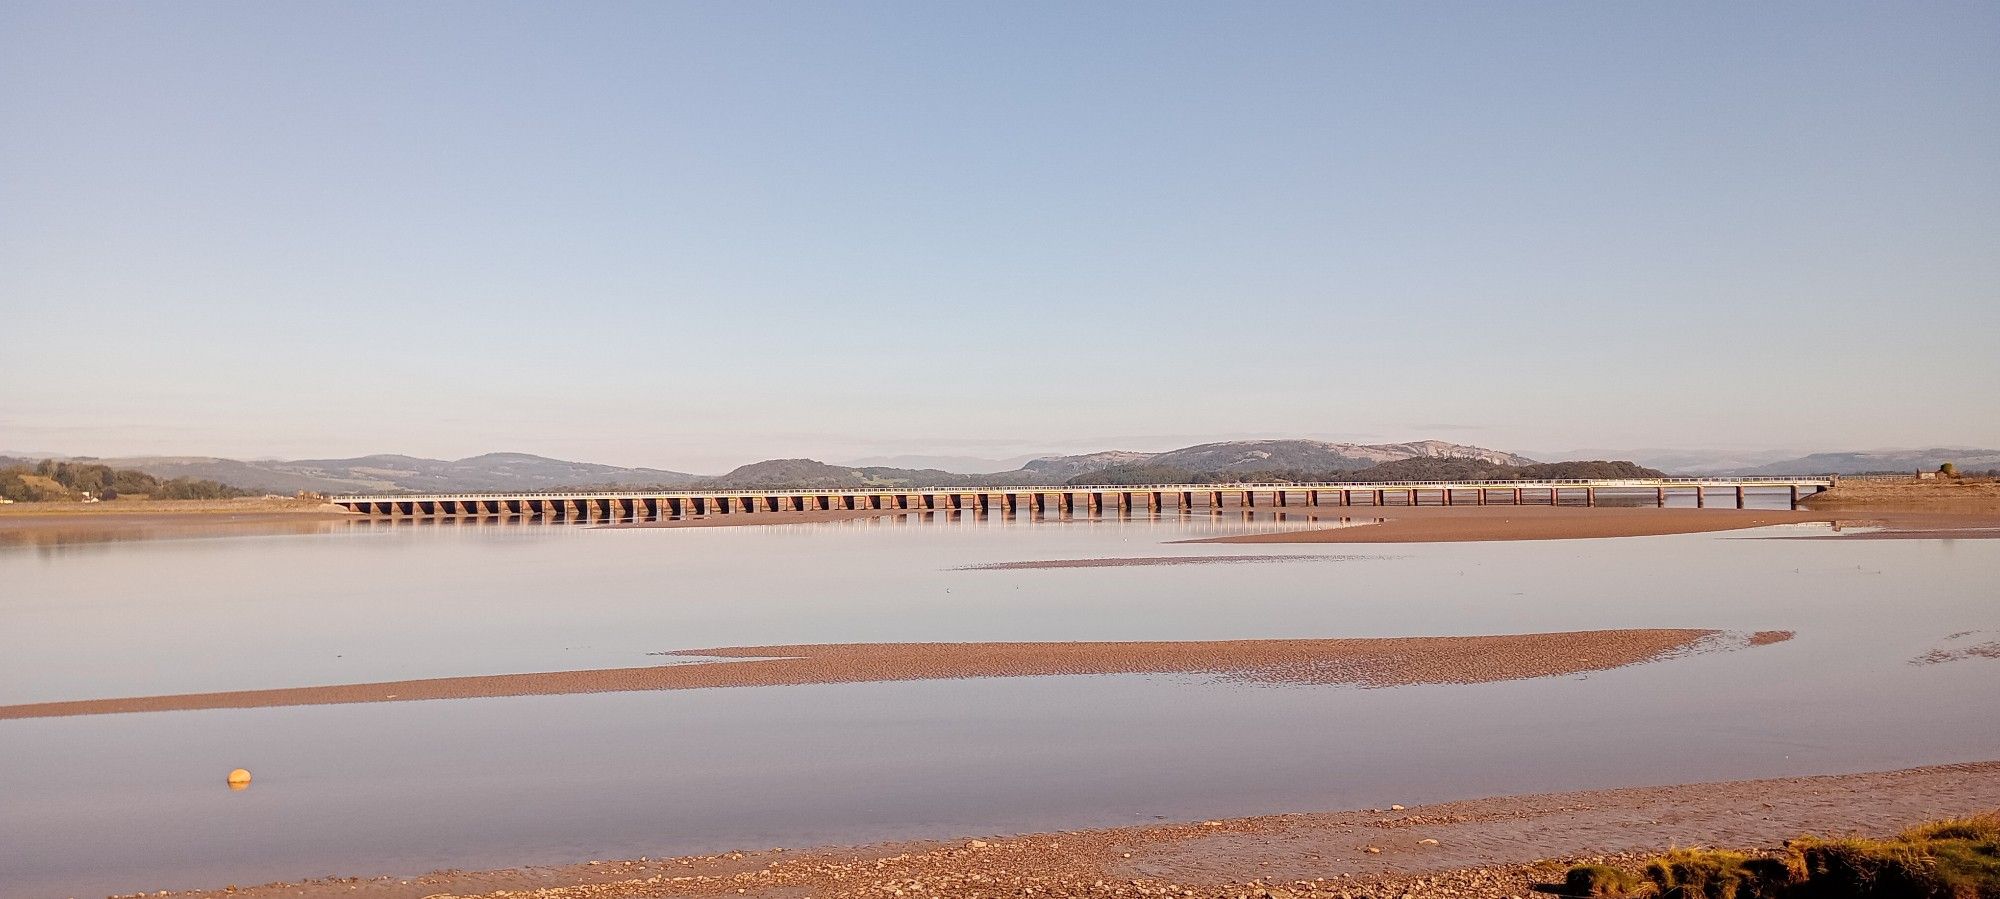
[1372, 662]
[1141, 561]
[1452, 524]
[1475, 849]
[1461, 524]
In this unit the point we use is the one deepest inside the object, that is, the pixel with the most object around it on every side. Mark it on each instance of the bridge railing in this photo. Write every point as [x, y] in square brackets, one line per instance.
[1096, 488]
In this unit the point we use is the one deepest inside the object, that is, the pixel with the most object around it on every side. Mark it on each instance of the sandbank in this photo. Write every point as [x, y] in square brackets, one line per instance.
[1369, 662]
[1144, 561]
[1441, 524]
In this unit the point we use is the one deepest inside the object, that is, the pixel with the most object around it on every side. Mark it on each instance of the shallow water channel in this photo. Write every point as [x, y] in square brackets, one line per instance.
[92, 805]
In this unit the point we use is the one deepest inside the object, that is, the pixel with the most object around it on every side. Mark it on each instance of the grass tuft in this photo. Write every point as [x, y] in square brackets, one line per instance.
[1956, 858]
[1600, 880]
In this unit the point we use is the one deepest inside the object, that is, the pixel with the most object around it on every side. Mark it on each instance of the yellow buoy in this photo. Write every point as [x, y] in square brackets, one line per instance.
[239, 779]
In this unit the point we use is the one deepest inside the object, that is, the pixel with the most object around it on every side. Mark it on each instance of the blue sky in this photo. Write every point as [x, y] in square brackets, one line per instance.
[693, 235]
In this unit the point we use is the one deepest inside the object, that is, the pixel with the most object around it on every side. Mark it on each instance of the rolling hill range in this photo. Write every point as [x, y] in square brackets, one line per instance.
[1967, 459]
[1300, 455]
[392, 473]
[1778, 463]
[520, 471]
[1209, 461]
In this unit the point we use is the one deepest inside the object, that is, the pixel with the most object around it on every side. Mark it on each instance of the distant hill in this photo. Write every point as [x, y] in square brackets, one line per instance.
[1296, 460]
[1966, 459]
[807, 474]
[390, 473]
[948, 464]
[1270, 456]
[393, 473]
[1248, 455]
[1681, 461]
[1423, 468]
[1772, 463]
[1059, 468]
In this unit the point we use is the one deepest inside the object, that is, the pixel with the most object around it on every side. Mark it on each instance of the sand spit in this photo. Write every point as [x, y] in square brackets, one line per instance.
[1140, 561]
[1454, 524]
[1370, 662]
[155, 509]
[1475, 849]
[1911, 494]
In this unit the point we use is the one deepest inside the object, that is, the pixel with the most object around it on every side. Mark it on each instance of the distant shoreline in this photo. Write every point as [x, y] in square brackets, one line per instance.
[1971, 495]
[1901, 511]
[171, 508]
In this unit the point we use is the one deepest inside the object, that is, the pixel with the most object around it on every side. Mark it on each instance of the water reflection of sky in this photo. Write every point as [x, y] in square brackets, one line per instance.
[137, 801]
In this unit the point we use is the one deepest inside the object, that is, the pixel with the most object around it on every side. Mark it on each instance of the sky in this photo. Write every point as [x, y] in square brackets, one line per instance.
[692, 235]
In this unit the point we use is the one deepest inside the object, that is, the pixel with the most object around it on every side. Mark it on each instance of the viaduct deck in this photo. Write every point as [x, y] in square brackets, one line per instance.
[649, 504]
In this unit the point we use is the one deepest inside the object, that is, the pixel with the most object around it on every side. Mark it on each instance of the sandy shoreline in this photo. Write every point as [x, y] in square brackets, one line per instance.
[158, 509]
[57, 524]
[1911, 495]
[1483, 848]
[1371, 662]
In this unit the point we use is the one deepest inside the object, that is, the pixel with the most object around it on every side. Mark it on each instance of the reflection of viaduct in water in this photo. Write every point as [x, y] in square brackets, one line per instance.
[1068, 500]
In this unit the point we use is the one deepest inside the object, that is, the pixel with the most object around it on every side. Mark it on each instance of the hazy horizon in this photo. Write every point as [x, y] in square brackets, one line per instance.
[689, 236]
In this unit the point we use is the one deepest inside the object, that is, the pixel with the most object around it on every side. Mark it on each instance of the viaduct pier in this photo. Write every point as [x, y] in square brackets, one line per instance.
[1067, 499]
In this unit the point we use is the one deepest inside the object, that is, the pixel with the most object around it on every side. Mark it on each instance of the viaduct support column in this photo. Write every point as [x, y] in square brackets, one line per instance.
[1739, 496]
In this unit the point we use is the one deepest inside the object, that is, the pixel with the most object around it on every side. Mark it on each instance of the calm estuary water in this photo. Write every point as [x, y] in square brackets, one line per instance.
[126, 802]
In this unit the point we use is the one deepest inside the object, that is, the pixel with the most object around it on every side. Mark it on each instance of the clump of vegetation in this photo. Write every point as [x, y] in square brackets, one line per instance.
[1601, 880]
[1952, 859]
[53, 481]
[1948, 469]
[1712, 874]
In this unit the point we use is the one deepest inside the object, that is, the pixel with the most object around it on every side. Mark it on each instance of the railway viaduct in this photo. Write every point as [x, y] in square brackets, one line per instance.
[1065, 499]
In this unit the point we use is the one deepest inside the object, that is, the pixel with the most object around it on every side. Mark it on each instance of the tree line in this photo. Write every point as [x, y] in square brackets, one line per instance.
[51, 480]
